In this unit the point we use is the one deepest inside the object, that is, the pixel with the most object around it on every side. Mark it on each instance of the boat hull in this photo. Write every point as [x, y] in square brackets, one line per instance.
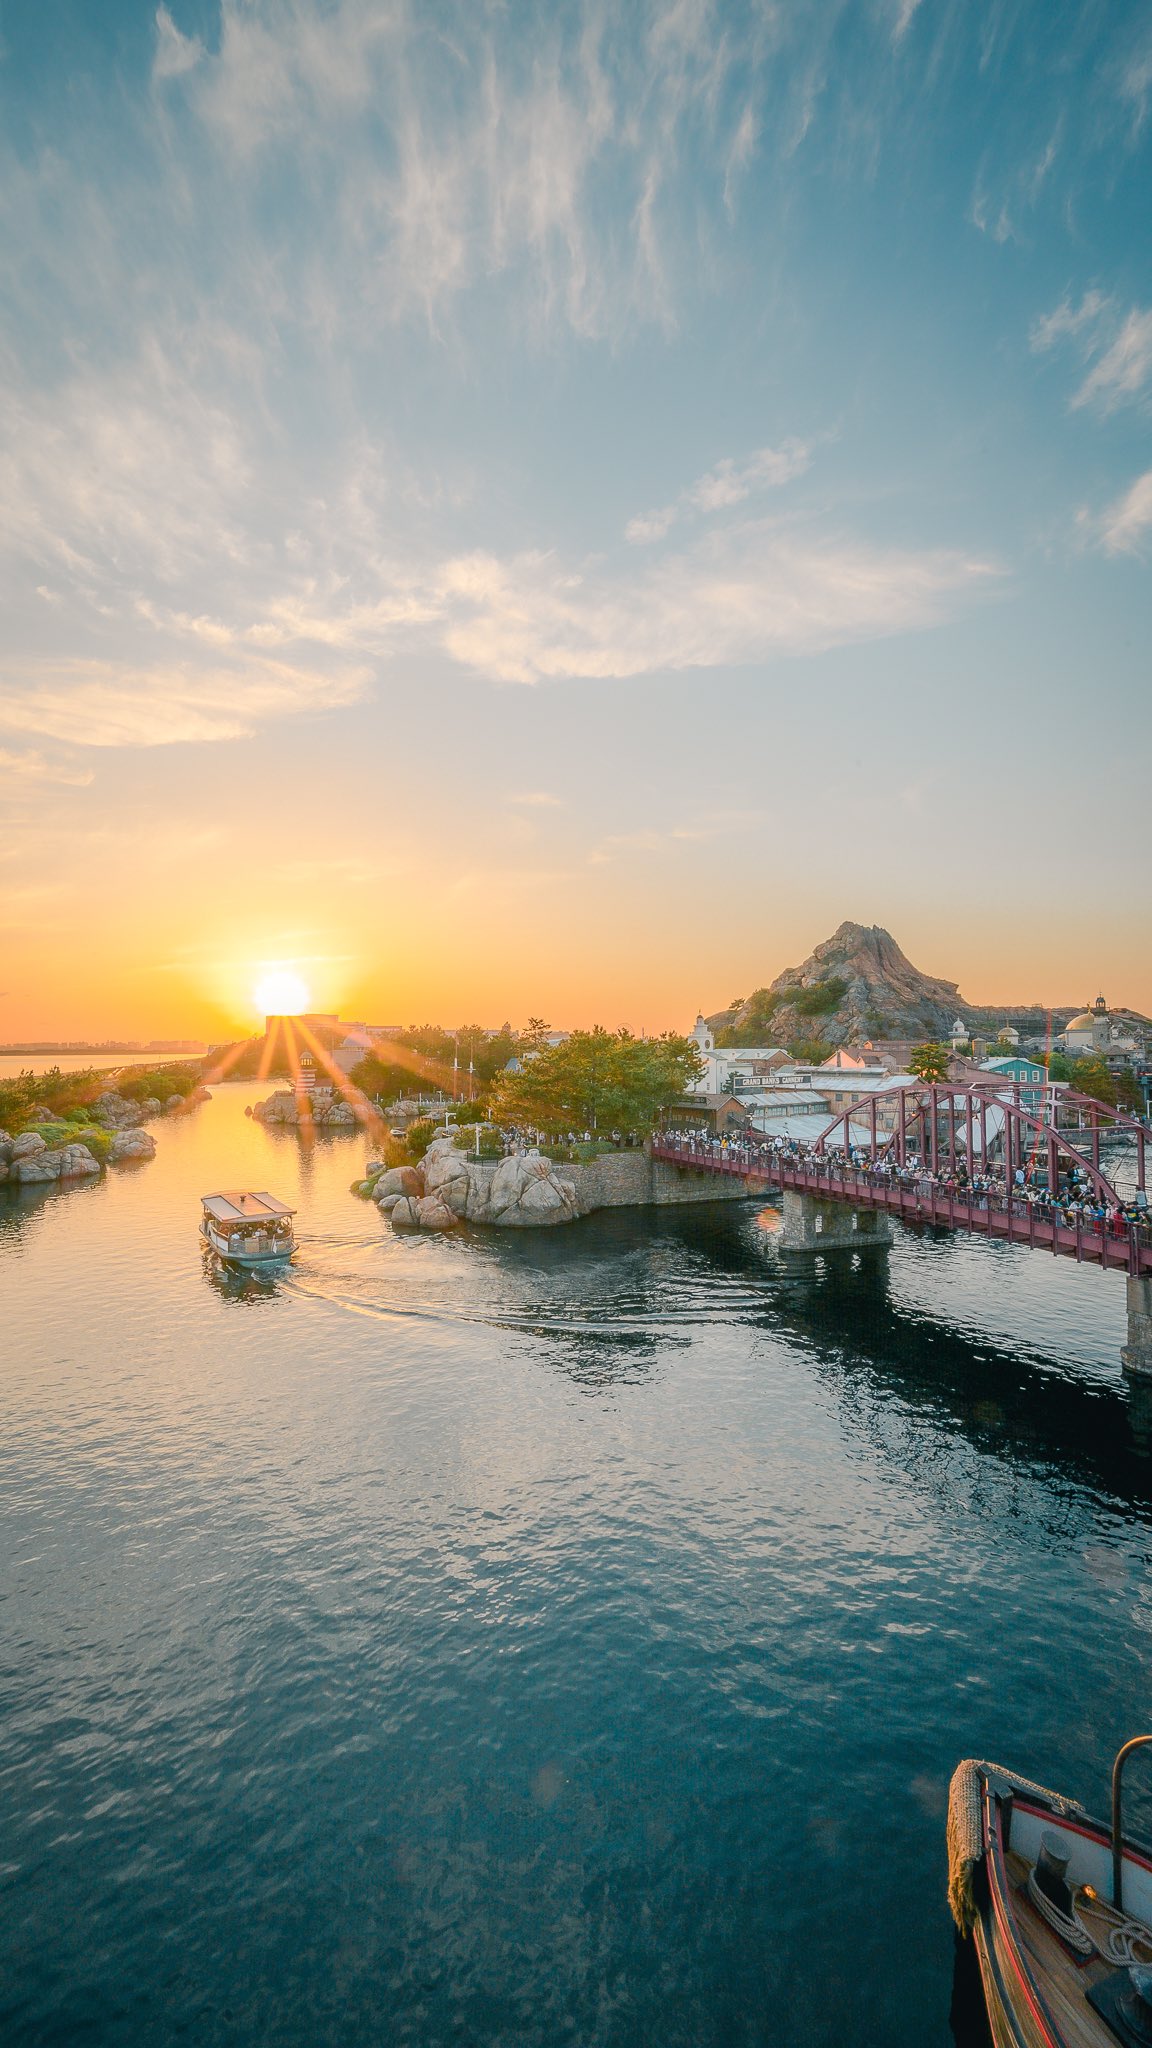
[1036, 1991]
[250, 1262]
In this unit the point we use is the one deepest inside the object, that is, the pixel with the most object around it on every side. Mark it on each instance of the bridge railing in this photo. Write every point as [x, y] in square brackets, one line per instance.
[1118, 1237]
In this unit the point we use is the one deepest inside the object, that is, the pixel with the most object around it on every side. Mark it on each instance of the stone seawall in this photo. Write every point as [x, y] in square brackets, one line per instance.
[529, 1190]
[627, 1180]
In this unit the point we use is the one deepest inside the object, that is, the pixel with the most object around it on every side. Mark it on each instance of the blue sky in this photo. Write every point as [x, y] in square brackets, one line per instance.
[584, 497]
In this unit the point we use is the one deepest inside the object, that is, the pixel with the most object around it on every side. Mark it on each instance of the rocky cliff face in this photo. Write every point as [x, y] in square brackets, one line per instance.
[857, 985]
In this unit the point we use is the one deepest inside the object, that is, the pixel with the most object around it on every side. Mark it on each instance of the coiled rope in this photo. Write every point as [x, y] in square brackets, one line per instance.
[1122, 1940]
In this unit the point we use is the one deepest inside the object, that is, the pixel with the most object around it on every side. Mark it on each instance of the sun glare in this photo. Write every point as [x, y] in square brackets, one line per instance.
[280, 992]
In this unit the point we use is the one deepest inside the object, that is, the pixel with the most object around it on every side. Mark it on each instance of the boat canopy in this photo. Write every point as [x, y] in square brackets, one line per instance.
[241, 1205]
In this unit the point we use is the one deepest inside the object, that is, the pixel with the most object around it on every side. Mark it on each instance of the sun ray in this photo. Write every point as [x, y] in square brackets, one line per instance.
[357, 1102]
[268, 1051]
[226, 1062]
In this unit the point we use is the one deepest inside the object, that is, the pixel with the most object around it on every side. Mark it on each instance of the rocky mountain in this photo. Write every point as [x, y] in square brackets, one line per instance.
[857, 985]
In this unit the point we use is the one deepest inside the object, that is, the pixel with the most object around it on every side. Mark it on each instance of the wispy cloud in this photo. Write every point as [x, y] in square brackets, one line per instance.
[694, 831]
[175, 53]
[1126, 523]
[1117, 347]
[32, 767]
[100, 704]
[1066, 320]
[741, 596]
[903, 13]
[726, 485]
[1123, 370]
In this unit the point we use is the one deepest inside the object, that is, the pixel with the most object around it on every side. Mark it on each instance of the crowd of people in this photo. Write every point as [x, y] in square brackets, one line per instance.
[1074, 1201]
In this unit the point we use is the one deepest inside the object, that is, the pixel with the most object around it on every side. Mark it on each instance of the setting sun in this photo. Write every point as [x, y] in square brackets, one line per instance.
[281, 992]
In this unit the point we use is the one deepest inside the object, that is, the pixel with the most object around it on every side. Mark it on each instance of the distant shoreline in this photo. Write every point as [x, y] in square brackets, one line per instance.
[167, 1052]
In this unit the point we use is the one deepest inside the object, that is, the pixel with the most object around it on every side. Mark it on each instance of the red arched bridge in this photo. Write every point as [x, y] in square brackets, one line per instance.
[967, 1156]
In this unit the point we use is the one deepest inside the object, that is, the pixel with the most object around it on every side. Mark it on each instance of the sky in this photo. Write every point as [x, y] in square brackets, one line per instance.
[547, 510]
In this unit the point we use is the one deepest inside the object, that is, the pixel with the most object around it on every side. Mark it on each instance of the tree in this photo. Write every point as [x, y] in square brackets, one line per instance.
[930, 1061]
[598, 1080]
[1091, 1076]
[754, 1026]
[383, 1080]
[1128, 1094]
[811, 1052]
[1059, 1066]
[534, 1036]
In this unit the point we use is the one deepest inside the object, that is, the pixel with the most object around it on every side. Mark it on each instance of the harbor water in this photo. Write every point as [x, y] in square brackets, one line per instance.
[531, 1637]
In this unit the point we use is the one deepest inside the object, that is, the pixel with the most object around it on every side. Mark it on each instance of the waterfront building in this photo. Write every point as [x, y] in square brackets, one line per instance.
[734, 1068]
[1017, 1067]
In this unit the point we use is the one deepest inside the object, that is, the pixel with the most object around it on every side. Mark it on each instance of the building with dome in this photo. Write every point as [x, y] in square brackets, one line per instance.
[1096, 1031]
[1090, 1031]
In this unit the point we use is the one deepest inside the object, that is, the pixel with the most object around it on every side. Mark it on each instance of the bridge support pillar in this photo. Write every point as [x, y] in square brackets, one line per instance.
[1137, 1353]
[814, 1224]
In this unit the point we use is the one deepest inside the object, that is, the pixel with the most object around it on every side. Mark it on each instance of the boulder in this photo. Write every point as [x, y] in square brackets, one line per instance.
[27, 1146]
[433, 1214]
[337, 1113]
[131, 1145]
[35, 1168]
[527, 1191]
[4, 1170]
[6, 1142]
[151, 1106]
[388, 1203]
[405, 1214]
[279, 1108]
[76, 1161]
[174, 1102]
[446, 1175]
[399, 1180]
[114, 1112]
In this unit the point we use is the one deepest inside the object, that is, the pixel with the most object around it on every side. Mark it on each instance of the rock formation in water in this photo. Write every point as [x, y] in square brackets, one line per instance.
[519, 1193]
[30, 1159]
[28, 1162]
[288, 1106]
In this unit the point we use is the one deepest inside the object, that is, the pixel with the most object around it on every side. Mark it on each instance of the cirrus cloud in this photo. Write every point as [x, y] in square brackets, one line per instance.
[92, 703]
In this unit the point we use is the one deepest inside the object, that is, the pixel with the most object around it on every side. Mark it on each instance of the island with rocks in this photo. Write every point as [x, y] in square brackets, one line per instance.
[69, 1128]
[525, 1189]
[317, 1106]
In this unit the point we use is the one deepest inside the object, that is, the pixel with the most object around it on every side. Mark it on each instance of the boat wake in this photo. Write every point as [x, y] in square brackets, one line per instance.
[530, 1322]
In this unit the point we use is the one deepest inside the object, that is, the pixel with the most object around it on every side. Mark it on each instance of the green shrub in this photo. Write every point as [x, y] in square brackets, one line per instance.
[822, 998]
[470, 1113]
[485, 1144]
[418, 1137]
[98, 1141]
[140, 1083]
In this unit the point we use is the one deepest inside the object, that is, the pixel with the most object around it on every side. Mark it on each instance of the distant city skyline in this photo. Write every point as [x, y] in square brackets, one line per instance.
[523, 510]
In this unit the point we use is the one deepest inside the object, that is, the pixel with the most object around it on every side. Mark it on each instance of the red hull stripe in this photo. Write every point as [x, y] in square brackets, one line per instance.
[998, 1889]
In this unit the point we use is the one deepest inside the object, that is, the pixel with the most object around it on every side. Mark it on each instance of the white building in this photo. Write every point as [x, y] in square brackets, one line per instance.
[1095, 1030]
[734, 1069]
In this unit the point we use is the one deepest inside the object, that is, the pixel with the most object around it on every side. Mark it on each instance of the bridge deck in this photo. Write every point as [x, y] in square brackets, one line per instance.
[1128, 1248]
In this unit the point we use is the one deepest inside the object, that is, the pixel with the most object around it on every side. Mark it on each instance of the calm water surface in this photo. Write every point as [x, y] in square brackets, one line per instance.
[532, 1637]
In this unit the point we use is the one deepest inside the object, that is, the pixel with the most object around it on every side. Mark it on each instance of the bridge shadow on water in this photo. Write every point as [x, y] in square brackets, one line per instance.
[625, 1285]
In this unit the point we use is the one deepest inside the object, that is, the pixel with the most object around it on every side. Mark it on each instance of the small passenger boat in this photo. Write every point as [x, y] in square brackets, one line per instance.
[246, 1229]
[1060, 1909]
